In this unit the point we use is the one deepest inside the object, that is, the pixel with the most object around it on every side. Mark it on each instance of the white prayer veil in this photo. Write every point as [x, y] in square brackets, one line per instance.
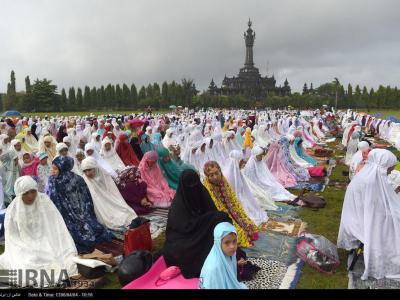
[371, 215]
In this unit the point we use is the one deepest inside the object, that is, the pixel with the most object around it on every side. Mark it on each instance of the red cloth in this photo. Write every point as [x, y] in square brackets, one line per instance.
[113, 137]
[125, 151]
[317, 171]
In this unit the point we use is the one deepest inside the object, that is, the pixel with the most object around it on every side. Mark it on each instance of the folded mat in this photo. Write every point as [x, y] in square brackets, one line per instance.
[148, 280]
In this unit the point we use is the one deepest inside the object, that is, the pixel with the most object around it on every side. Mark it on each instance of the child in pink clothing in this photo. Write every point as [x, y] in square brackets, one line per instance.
[29, 166]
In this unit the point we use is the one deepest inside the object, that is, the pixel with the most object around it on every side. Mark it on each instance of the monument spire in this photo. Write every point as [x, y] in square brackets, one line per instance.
[249, 37]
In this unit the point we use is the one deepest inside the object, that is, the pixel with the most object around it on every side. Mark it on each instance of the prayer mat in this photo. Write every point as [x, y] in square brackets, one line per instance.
[319, 187]
[158, 221]
[115, 247]
[331, 140]
[381, 146]
[274, 274]
[158, 224]
[284, 210]
[316, 180]
[355, 281]
[287, 227]
[274, 246]
[340, 147]
[269, 277]
[322, 160]
[163, 212]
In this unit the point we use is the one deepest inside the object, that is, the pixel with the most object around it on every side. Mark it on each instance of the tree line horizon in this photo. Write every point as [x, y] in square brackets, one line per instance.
[43, 96]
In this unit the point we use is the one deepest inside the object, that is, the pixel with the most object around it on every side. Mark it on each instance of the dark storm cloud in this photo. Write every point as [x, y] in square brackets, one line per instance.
[75, 42]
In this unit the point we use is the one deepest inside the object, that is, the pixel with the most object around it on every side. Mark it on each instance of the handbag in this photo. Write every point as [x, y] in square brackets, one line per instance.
[138, 238]
[167, 275]
[310, 200]
[135, 265]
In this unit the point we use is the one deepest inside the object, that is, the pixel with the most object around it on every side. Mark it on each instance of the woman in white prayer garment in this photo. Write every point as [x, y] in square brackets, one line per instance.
[169, 138]
[217, 149]
[96, 141]
[202, 155]
[90, 151]
[36, 237]
[371, 215]
[110, 207]
[109, 154]
[358, 158]
[259, 176]
[240, 187]
[352, 145]
[229, 142]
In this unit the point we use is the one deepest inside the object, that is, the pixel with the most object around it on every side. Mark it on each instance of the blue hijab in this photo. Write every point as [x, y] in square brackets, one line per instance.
[299, 150]
[156, 140]
[72, 197]
[220, 271]
[145, 146]
[239, 138]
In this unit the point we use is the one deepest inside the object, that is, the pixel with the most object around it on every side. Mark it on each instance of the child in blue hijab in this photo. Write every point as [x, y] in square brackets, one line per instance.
[220, 267]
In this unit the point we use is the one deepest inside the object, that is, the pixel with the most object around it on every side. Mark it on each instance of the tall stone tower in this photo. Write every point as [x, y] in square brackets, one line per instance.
[249, 37]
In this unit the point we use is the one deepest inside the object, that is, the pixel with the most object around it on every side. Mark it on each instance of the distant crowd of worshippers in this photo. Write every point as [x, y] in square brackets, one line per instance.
[90, 177]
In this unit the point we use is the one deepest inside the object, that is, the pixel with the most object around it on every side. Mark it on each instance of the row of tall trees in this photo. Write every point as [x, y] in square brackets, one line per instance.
[42, 95]
[385, 97]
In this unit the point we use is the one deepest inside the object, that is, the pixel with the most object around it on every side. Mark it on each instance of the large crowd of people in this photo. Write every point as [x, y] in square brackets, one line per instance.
[71, 183]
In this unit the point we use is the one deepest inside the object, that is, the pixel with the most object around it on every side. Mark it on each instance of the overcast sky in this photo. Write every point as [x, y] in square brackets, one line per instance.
[95, 42]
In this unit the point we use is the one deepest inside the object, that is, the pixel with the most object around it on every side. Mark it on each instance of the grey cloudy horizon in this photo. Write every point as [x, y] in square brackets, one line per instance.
[96, 42]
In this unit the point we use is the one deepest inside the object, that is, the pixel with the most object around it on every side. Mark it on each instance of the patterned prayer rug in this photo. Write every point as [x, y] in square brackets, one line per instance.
[287, 227]
[355, 281]
[284, 210]
[274, 246]
[274, 274]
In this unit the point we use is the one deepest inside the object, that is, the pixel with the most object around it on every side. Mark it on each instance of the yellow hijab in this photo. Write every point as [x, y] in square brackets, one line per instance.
[51, 151]
[247, 138]
[226, 127]
[21, 138]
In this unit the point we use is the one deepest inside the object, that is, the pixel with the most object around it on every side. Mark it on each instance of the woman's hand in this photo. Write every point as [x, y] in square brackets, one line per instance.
[242, 262]
[145, 203]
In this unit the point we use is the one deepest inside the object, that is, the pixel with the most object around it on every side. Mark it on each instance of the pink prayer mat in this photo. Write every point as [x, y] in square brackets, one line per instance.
[148, 280]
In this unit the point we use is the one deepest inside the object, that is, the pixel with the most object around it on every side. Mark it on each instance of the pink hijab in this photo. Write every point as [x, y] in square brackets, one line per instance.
[277, 168]
[158, 190]
[31, 168]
